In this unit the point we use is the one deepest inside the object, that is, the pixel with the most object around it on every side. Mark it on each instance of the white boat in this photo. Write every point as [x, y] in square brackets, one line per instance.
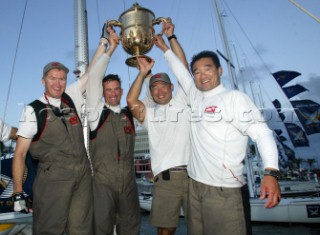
[289, 210]
[300, 205]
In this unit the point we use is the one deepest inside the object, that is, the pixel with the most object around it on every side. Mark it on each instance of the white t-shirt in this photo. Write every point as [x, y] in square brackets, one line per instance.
[168, 130]
[28, 122]
[5, 131]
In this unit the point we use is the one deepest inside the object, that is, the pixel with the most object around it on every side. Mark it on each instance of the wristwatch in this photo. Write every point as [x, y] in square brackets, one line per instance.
[275, 173]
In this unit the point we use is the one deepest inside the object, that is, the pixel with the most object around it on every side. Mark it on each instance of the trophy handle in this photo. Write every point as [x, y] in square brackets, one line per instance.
[115, 23]
[158, 21]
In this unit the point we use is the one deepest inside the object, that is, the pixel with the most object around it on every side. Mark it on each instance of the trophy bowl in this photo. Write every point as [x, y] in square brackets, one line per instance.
[137, 32]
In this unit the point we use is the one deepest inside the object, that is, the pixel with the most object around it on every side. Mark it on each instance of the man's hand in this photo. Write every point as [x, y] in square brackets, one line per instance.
[113, 37]
[168, 27]
[21, 204]
[104, 33]
[159, 42]
[270, 187]
[144, 65]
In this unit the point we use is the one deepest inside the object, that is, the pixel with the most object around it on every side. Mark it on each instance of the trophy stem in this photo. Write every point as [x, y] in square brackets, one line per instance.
[132, 61]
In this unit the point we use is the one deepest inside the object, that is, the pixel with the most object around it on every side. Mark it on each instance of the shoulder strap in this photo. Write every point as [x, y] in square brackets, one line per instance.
[104, 116]
[126, 111]
[65, 98]
[40, 110]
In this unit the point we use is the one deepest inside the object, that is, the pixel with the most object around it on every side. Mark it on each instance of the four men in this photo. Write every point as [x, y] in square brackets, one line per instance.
[203, 121]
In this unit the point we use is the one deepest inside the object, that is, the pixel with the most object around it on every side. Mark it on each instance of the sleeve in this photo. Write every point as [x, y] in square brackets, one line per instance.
[75, 92]
[5, 131]
[262, 135]
[244, 112]
[183, 76]
[248, 119]
[95, 90]
[148, 100]
[28, 123]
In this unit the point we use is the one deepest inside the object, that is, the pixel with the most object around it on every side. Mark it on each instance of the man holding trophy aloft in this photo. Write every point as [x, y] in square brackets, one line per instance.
[167, 122]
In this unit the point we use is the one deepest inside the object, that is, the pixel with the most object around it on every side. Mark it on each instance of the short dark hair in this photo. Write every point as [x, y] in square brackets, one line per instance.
[205, 54]
[111, 77]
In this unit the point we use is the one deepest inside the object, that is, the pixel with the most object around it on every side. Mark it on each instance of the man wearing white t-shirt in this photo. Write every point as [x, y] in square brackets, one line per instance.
[221, 122]
[167, 122]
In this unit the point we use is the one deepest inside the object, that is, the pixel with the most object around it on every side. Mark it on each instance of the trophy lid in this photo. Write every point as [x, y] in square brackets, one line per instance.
[136, 7]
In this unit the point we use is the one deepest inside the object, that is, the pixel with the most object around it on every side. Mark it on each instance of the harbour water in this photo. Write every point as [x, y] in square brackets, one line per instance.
[257, 228]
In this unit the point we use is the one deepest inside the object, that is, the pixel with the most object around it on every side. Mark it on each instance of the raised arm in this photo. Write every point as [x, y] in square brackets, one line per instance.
[136, 106]
[177, 67]
[96, 74]
[168, 29]
[101, 49]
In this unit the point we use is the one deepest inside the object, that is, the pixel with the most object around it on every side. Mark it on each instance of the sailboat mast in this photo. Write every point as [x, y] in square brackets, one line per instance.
[82, 58]
[225, 44]
[81, 37]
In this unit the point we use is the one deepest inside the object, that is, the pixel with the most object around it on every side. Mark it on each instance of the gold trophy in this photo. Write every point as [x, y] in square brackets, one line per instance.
[137, 32]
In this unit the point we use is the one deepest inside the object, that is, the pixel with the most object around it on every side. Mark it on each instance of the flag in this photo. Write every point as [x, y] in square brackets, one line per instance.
[278, 131]
[281, 138]
[292, 91]
[277, 105]
[297, 135]
[288, 151]
[283, 77]
[308, 113]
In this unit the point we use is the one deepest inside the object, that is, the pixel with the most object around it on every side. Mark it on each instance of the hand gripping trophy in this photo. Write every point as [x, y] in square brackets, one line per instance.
[137, 32]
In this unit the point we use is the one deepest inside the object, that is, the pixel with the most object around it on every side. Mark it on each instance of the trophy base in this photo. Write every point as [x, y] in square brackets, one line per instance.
[132, 61]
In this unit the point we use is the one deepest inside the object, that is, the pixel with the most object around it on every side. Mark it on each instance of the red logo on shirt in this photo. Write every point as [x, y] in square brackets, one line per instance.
[210, 109]
[74, 120]
[128, 130]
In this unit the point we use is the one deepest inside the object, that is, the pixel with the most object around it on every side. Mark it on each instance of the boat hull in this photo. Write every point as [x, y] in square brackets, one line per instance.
[289, 210]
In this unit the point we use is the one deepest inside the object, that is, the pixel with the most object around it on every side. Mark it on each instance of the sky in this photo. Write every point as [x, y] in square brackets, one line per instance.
[265, 36]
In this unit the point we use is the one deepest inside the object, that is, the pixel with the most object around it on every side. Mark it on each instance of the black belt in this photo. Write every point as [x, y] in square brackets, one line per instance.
[166, 174]
[178, 168]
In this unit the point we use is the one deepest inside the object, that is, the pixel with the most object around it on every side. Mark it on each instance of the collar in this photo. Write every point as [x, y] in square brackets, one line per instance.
[220, 88]
[52, 101]
[169, 104]
[116, 109]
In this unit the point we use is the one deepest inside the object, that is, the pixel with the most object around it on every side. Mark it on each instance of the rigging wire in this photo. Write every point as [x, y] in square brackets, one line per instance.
[128, 68]
[256, 52]
[213, 21]
[247, 37]
[14, 62]
[98, 13]
[305, 11]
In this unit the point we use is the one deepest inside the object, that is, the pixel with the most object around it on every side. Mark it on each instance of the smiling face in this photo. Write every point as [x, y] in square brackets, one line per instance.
[55, 82]
[112, 92]
[206, 74]
[161, 92]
